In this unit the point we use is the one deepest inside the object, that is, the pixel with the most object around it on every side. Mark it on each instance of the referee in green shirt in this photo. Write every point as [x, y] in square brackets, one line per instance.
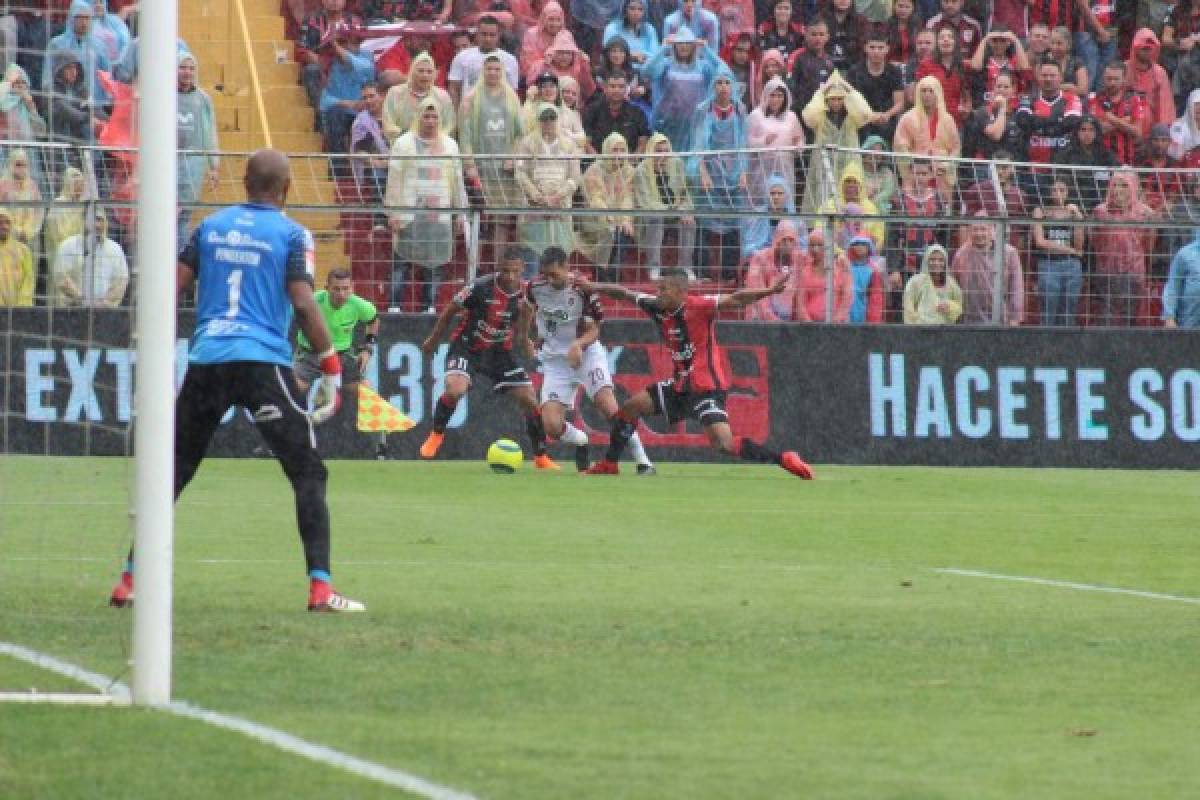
[343, 311]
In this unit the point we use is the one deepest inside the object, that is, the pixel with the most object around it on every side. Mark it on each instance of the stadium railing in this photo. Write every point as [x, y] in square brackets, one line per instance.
[412, 243]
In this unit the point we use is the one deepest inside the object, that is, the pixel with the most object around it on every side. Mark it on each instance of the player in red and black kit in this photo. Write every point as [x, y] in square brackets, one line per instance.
[483, 343]
[687, 324]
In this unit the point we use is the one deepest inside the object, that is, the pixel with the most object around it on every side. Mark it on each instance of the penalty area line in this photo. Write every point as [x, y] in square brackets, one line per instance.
[120, 695]
[1080, 587]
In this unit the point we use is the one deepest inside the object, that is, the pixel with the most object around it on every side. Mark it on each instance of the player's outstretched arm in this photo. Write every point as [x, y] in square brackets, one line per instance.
[613, 290]
[434, 338]
[744, 297]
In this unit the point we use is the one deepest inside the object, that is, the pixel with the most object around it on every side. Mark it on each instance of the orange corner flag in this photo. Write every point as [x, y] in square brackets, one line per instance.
[376, 414]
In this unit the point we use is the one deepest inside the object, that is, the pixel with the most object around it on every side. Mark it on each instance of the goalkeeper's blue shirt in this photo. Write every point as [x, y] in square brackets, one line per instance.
[244, 258]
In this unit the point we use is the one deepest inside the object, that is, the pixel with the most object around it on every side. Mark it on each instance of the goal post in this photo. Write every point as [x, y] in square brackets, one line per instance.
[154, 392]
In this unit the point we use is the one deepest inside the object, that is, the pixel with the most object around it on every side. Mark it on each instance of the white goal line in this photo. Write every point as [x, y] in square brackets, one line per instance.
[1081, 587]
[114, 692]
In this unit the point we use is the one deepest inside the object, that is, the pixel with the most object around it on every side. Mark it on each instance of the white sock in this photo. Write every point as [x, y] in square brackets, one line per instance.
[637, 451]
[572, 435]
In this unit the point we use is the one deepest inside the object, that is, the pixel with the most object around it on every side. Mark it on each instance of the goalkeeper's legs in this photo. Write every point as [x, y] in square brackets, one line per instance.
[289, 433]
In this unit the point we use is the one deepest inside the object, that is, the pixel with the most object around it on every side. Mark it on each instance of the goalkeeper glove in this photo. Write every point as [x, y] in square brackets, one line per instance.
[328, 398]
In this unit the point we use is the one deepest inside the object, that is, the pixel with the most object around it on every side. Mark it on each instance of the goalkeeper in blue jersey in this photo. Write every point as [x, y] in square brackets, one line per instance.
[251, 268]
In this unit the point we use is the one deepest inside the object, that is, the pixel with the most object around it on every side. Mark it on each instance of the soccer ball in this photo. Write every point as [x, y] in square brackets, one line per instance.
[505, 456]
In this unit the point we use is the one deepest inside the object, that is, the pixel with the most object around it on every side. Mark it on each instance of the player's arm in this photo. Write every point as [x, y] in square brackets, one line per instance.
[613, 290]
[369, 342]
[744, 297]
[452, 310]
[591, 332]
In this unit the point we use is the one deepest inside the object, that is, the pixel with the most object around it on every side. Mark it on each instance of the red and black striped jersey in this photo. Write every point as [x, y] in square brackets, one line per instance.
[1048, 123]
[1053, 13]
[491, 315]
[1130, 105]
[690, 332]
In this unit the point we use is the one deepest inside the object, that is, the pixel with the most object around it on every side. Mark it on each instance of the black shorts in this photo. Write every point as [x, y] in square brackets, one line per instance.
[708, 408]
[308, 367]
[497, 365]
[270, 395]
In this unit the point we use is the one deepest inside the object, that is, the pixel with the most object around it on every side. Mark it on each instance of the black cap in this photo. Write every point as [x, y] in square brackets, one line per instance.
[546, 77]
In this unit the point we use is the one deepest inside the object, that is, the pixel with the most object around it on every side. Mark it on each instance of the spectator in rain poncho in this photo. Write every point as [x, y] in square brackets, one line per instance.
[20, 120]
[927, 128]
[932, 296]
[65, 220]
[758, 231]
[197, 130]
[423, 172]
[1185, 133]
[812, 285]
[570, 121]
[835, 113]
[18, 186]
[695, 18]
[740, 54]
[540, 38]
[548, 172]
[680, 76]
[635, 30]
[878, 174]
[1121, 254]
[79, 39]
[90, 270]
[607, 240]
[852, 199]
[772, 125]
[782, 256]
[866, 274]
[721, 179]
[563, 59]
[110, 31]
[71, 116]
[489, 124]
[402, 100]
[660, 184]
[17, 276]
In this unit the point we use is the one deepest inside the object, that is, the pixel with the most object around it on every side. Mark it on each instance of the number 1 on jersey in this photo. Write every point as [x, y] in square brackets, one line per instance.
[235, 292]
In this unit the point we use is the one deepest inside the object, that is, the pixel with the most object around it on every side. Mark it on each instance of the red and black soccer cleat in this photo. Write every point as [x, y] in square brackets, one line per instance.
[793, 463]
[603, 467]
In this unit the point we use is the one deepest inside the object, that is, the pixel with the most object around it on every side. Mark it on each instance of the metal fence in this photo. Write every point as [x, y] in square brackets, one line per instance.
[857, 231]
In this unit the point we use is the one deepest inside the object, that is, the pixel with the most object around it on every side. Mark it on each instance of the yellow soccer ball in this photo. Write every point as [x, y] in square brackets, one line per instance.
[505, 456]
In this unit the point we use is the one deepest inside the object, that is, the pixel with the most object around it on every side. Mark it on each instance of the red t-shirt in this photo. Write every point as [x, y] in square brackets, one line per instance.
[689, 331]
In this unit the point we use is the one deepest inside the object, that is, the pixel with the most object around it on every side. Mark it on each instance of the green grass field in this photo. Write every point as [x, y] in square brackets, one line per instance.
[715, 632]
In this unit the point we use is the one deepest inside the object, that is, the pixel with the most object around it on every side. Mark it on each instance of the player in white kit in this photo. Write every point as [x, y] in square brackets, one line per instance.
[569, 349]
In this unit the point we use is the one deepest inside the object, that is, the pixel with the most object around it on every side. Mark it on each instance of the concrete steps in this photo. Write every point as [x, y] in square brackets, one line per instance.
[213, 32]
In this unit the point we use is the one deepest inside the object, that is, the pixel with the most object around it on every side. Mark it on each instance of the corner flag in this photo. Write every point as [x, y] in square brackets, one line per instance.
[376, 414]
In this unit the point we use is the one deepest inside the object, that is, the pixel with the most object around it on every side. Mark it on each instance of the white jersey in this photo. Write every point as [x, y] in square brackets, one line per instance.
[560, 314]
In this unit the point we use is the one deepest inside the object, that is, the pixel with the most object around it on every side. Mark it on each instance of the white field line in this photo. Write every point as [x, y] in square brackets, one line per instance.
[213, 562]
[1081, 587]
[280, 740]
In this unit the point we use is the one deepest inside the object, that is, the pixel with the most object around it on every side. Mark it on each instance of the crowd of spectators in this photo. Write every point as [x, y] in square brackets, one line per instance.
[712, 115]
[68, 158]
[701, 110]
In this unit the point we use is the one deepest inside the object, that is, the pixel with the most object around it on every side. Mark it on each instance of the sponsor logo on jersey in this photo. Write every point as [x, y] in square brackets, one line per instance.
[238, 239]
